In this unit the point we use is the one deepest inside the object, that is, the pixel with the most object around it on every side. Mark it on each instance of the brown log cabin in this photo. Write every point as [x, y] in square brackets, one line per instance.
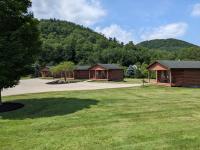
[110, 72]
[176, 73]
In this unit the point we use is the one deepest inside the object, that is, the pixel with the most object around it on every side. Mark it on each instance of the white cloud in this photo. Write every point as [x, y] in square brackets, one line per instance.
[196, 10]
[85, 12]
[116, 31]
[172, 30]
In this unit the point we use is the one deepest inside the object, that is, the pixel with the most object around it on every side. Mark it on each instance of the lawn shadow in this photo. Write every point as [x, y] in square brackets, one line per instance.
[48, 107]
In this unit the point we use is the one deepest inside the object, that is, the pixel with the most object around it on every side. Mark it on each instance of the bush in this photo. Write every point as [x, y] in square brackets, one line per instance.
[137, 71]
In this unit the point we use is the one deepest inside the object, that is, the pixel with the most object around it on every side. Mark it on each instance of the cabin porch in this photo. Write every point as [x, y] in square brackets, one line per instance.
[163, 77]
[98, 74]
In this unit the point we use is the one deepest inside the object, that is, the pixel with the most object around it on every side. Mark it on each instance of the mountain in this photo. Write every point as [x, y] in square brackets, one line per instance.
[166, 44]
[63, 40]
[66, 41]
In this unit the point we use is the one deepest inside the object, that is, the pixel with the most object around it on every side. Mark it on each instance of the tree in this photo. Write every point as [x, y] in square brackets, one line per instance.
[58, 69]
[66, 67]
[54, 70]
[19, 41]
[36, 67]
[131, 71]
[143, 70]
[189, 54]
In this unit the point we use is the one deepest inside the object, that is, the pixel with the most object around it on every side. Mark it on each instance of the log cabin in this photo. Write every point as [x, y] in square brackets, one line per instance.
[110, 72]
[176, 73]
[81, 72]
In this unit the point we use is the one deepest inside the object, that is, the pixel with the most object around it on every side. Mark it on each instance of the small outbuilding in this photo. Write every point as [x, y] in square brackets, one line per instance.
[176, 73]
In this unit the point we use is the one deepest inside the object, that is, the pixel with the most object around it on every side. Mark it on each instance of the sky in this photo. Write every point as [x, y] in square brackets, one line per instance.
[128, 20]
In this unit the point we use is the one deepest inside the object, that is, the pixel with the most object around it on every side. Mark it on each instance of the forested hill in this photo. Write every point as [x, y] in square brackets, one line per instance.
[66, 41]
[166, 44]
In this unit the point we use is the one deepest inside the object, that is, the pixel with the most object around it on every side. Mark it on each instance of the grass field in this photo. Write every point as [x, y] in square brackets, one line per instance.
[130, 118]
[126, 80]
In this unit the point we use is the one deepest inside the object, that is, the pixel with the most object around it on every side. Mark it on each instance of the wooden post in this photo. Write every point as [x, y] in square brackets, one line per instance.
[95, 74]
[107, 74]
[156, 76]
[89, 74]
[170, 77]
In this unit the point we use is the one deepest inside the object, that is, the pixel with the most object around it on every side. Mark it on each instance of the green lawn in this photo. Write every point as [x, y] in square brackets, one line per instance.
[126, 80]
[134, 80]
[130, 118]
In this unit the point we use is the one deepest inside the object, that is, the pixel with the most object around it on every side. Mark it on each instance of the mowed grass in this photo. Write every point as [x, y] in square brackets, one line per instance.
[126, 80]
[129, 118]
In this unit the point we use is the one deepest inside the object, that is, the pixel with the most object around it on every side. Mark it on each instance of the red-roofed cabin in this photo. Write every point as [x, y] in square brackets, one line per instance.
[176, 73]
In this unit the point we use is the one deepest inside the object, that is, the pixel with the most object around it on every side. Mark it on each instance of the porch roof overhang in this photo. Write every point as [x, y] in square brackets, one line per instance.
[97, 68]
[105, 67]
[157, 66]
[82, 67]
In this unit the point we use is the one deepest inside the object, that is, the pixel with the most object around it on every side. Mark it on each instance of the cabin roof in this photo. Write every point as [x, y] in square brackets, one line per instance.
[171, 64]
[110, 66]
[82, 67]
[106, 66]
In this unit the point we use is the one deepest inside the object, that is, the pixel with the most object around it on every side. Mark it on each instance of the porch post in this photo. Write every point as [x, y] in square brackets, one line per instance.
[107, 74]
[156, 76]
[89, 74]
[95, 74]
[170, 77]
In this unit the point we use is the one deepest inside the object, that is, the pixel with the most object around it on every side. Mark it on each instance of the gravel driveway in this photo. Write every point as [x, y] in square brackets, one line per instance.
[39, 85]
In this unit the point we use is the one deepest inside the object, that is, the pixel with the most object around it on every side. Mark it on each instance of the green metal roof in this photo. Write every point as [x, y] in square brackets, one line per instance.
[180, 64]
[85, 67]
[106, 66]
[110, 66]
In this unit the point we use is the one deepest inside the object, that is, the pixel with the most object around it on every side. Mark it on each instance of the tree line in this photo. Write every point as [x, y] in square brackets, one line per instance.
[66, 41]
